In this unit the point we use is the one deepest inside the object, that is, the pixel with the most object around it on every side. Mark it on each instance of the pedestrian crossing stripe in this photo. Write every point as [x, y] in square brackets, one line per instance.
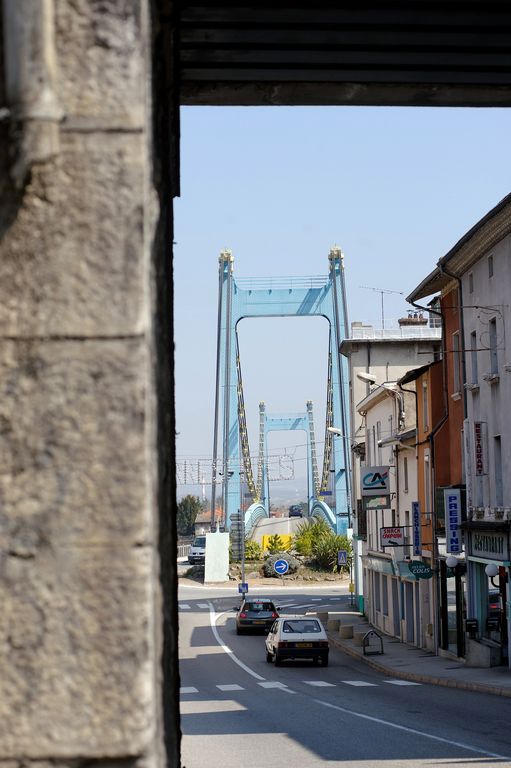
[275, 684]
[358, 683]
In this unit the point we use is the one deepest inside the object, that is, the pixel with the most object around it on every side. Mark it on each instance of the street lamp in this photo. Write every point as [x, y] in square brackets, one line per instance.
[451, 561]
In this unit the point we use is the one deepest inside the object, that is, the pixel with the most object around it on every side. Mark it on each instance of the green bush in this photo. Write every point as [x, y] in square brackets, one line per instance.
[253, 550]
[275, 544]
[309, 532]
[325, 549]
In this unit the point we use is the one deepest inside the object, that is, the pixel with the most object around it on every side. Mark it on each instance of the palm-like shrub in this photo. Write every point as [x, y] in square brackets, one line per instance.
[309, 532]
[325, 551]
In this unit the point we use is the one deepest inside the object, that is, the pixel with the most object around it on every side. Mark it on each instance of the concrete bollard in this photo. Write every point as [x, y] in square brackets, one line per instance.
[346, 631]
[358, 637]
[323, 617]
[333, 625]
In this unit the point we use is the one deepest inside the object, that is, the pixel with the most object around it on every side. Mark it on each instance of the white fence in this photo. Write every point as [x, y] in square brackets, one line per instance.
[182, 550]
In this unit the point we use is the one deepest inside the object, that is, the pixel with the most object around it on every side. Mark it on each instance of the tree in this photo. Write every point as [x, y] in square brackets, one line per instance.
[187, 510]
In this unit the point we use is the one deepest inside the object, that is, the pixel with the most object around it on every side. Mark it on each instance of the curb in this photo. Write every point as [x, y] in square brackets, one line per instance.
[418, 678]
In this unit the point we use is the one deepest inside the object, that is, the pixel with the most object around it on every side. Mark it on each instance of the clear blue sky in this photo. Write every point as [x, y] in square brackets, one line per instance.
[394, 188]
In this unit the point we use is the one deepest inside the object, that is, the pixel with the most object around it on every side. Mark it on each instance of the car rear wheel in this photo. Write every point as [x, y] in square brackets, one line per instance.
[269, 657]
[324, 660]
[239, 631]
[277, 660]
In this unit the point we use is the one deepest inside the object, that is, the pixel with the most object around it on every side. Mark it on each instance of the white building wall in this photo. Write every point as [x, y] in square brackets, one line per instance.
[486, 302]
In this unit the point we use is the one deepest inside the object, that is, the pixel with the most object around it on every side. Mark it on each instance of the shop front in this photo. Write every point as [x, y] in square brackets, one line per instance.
[488, 564]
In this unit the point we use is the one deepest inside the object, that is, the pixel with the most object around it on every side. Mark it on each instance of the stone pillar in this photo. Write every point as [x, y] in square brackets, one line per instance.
[86, 415]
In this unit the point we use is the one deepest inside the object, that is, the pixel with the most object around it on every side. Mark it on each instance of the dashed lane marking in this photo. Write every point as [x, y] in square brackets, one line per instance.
[184, 606]
[400, 682]
[359, 683]
[230, 687]
[272, 684]
[188, 689]
[202, 605]
[319, 683]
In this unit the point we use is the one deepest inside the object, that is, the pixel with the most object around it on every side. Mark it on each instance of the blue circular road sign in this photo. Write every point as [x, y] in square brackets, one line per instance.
[281, 566]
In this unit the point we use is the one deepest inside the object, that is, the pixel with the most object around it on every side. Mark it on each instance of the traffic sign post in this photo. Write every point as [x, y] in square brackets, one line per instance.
[243, 588]
[342, 557]
[281, 566]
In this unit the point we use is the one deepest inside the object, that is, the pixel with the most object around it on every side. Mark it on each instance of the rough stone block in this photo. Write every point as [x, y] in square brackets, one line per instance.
[72, 442]
[75, 672]
[72, 263]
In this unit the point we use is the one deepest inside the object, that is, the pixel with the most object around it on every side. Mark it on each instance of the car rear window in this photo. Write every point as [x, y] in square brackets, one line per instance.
[301, 625]
[259, 607]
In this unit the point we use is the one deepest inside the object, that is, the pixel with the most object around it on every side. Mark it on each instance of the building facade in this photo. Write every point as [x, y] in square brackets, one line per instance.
[474, 276]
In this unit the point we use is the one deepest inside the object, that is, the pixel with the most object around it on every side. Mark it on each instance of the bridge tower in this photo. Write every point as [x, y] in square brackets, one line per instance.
[323, 296]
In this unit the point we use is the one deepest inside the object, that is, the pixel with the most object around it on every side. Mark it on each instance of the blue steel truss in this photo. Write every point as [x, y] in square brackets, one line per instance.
[280, 297]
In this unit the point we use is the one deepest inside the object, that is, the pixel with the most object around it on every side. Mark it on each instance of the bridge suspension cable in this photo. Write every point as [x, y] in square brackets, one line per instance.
[242, 421]
[314, 458]
[329, 420]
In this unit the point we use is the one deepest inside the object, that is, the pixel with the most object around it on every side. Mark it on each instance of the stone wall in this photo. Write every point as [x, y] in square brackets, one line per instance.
[86, 413]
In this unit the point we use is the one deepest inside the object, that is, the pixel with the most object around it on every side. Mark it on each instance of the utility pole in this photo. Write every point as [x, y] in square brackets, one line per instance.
[382, 291]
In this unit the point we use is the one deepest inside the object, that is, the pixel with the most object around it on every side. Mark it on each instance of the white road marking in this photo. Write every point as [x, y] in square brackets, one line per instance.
[272, 684]
[319, 683]
[188, 689]
[212, 620]
[358, 683]
[202, 605]
[231, 687]
[184, 606]
[415, 731]
[316, 599]
[400, 682]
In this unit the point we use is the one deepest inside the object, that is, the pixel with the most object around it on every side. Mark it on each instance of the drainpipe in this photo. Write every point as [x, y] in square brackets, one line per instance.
[31, 83]
[462, 329]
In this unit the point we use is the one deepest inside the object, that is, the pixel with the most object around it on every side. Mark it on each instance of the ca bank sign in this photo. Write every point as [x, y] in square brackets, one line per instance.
[375, 481]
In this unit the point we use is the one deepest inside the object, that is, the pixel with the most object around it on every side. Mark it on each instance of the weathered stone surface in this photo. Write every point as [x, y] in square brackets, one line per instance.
[72, 444]
[75, 671]
[101, 59]
[73, 261]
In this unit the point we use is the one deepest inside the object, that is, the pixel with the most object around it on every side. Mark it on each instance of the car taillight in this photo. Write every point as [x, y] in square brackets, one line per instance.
[243, 615]
[282, 644]
[275, 615]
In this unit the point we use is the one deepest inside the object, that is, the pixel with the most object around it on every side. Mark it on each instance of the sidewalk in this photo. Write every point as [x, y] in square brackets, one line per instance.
[411, 663]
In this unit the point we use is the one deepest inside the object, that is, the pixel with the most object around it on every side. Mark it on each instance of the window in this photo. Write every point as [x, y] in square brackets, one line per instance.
[405, 474]
[470, 282]
[490, 266]
[425, 405]
[473, 356]
[494, 363]
[377, 599]
[456, 361]
[497, 459]
[385, 595]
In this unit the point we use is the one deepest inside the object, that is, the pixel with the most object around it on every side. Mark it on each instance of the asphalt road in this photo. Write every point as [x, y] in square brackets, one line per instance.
[238, 710]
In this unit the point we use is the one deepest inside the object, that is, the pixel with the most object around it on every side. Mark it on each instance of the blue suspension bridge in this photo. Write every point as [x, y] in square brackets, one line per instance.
[329, 492]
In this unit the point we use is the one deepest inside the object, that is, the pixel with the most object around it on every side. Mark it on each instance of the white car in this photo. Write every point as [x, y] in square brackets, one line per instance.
[297, 637]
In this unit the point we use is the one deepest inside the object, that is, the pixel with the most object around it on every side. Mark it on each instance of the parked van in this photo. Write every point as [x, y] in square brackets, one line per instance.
[197, 553]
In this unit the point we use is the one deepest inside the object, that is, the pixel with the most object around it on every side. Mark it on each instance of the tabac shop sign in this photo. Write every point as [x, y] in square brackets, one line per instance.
[375, 481]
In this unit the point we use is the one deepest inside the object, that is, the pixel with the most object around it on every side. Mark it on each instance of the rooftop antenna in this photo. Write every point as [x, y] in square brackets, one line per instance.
[382, 291]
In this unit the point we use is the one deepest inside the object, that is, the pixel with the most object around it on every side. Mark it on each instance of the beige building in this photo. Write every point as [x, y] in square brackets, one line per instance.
[383, 434]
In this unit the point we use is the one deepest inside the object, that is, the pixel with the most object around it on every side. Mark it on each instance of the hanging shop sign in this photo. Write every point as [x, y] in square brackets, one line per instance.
[392, 537]
[420, 570]
[376, 502]
[489, 545]
[452, 506]
[416, 528]
[479, 447]
[375, 481]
